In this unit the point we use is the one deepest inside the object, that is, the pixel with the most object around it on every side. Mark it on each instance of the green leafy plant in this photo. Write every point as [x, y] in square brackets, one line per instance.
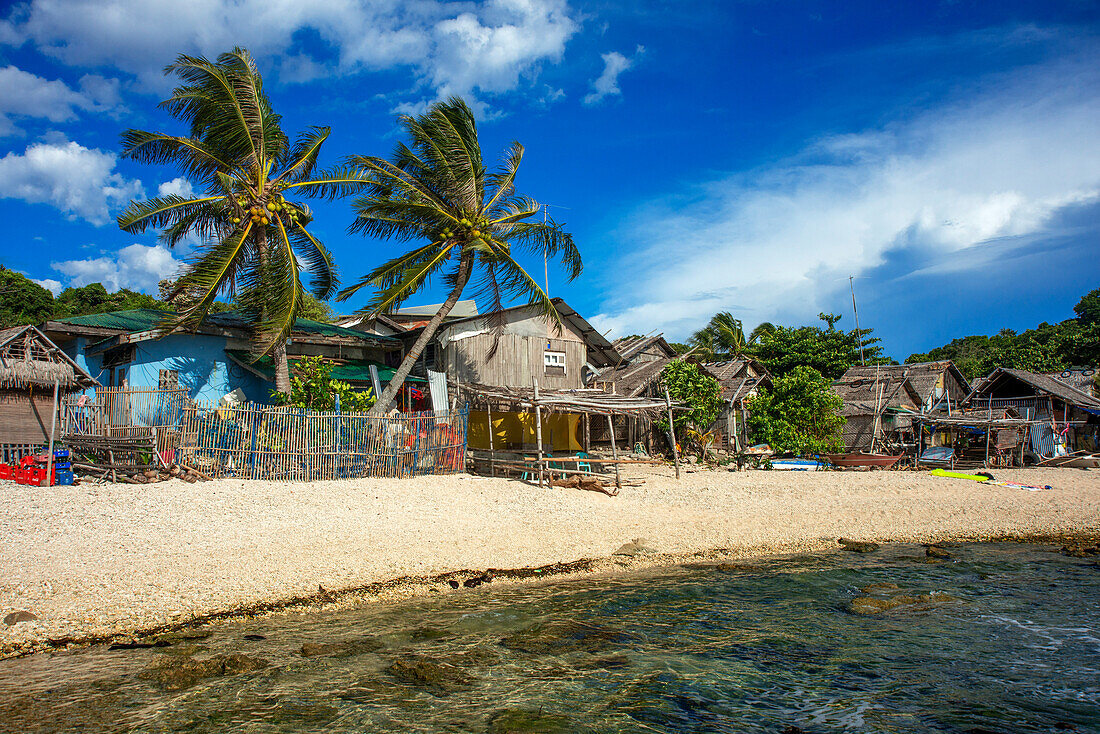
[701, 395]
[312, 387]
[800, 414]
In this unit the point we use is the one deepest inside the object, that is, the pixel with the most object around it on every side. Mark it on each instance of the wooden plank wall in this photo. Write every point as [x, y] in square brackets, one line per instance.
[518, 359]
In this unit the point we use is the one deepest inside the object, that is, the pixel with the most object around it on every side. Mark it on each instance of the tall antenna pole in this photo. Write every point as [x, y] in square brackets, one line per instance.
[545, 268]
[859, 337]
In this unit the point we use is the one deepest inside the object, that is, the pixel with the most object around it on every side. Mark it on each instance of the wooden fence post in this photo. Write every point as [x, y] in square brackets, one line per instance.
[614, 451]
[538, 430]
[672, 433]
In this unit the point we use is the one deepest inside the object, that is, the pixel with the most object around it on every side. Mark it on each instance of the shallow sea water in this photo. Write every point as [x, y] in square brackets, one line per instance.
[768, 647]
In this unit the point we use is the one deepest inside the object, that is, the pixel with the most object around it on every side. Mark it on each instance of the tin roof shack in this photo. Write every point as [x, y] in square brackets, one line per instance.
[741, 379]
[878, 405]
[125, 350]
[1070, 418]
[34, 374]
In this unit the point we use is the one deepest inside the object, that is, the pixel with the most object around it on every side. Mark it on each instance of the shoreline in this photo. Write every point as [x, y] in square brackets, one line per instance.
[403, 588]
[192, 555]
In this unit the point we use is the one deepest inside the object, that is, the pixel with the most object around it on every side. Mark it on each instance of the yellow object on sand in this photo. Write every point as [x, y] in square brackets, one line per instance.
[959, 475]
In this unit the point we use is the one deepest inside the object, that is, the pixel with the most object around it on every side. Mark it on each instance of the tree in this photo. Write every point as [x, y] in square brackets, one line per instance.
[255, 244]
[722, 338]
[468, 224]
[699, 392]
[94, 298]
[1088, 308]
[829, 351]
[312, 387]
[22, 301]
[800, 414]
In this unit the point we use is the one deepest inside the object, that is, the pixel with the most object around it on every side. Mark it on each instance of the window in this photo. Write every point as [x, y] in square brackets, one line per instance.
[554, 363]
[168, 380]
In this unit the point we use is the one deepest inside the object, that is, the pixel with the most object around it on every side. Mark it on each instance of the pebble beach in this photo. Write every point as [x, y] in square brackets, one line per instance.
[92, 562]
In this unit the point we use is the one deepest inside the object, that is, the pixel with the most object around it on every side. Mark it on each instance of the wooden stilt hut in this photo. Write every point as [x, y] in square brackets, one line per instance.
[34, 373]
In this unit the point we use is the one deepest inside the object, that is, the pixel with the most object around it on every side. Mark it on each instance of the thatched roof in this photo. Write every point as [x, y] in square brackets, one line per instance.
[923, 376]
[29, 359]
[862, 394]
[631, 379]
[1079, 378]
[630, 347]
[738, 377]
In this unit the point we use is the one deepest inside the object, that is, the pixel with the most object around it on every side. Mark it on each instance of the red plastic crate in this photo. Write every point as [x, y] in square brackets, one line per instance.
[7, 471]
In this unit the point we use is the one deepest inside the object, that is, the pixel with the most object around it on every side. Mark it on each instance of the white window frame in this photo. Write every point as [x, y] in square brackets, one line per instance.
[553, 359]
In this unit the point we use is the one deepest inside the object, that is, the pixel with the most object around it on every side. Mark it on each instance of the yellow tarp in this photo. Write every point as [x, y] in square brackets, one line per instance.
[516, 431]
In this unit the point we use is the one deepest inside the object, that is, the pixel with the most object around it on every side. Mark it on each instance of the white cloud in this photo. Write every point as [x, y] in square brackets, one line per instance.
[454, 48]
[137, 267]
[607, 84]
[79, 181]
[23, 94]
[53, 286]
[178, 186]
[783, 238]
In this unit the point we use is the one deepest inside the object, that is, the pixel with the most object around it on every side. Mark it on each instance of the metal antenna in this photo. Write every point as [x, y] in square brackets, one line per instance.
[859, 337]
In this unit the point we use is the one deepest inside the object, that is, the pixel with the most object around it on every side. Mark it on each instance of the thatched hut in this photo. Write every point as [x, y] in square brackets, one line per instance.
[31, 367]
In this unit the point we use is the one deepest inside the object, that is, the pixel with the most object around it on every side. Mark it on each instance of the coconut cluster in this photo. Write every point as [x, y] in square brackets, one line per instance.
[262, 211]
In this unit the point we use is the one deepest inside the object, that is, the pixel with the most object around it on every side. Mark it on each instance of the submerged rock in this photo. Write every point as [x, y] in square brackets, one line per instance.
[427, 634]
[341, 649]
[1073, 550]
[934, 551]
[858, 546]
[880, 586]
[20, 616]
[563, 636]
[303, 711]
[183, 636]
[174, 673]
[738, 567]
[528, 721]
[871, 605]
[438, 677]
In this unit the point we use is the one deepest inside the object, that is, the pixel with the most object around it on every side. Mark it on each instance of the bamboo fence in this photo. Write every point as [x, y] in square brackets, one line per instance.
[251, 441]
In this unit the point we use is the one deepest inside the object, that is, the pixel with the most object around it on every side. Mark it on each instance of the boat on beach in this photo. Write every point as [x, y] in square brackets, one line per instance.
[863, 458]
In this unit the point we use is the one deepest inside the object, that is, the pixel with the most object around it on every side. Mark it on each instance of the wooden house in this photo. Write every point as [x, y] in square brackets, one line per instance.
[34, 374]
[936, 383]
[741, 379]
[878, 406]
[1071, 418]
[516, 346]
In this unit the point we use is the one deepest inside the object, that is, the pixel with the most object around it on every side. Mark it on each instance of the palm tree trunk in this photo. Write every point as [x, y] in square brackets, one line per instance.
[278, 352]
[282, 371]
[465, 268]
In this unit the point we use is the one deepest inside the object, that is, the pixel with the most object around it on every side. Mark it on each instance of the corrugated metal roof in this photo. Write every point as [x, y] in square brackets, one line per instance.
[146, 319]
[461, 310]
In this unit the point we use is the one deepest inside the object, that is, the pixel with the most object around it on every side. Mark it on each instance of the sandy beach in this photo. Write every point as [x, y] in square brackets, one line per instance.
[95, 561]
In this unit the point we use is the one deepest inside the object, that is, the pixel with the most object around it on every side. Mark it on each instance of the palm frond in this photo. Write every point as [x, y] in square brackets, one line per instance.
[161, 211]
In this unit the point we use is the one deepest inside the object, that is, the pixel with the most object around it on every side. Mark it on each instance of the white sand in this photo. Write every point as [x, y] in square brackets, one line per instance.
[98, 560]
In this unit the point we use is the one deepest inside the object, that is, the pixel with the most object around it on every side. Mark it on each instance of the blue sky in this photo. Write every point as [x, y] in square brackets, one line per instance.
[706, 156]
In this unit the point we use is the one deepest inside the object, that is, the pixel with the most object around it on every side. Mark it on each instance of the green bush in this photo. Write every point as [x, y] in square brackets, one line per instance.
[800, 414]
[701, 394]
[312, 387]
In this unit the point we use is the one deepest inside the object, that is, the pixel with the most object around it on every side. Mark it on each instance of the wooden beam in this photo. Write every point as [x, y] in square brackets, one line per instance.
[672, 434]
[614, 452]
[538, 431]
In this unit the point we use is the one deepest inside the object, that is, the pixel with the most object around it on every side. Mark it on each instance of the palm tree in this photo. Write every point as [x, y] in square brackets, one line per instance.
[255, 245]
[763, 330]
[722, 337]
[467, 223]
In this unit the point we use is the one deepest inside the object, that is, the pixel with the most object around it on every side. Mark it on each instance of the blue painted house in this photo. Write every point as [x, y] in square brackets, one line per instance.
[123, 349]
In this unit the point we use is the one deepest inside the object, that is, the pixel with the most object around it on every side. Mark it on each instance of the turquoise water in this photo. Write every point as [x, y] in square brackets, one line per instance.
[1010, 642]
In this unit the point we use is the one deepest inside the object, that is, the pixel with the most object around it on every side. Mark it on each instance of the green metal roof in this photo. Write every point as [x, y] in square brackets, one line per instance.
[350, 371]
[146, 319]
